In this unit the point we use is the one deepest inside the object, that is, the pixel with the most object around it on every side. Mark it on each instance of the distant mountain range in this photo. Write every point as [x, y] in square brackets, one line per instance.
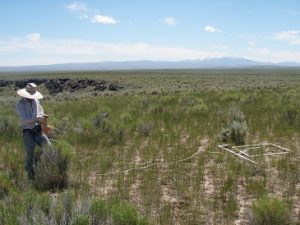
[209, 63]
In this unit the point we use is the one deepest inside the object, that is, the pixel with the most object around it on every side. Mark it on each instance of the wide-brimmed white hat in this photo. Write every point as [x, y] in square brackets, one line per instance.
[30, 91]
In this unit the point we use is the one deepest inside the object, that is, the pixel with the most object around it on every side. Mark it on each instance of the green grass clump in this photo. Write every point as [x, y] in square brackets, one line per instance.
[198, 109]
[7, 216]
[117, 212]
[8, 127]
[269, 211]
[82, 220]
[124, 214]
[99, 212]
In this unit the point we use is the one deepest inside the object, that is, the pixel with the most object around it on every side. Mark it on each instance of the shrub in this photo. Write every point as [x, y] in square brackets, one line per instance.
[225, 135]
[51, 170]
[269, 211]
[236, 131]
[236, 115]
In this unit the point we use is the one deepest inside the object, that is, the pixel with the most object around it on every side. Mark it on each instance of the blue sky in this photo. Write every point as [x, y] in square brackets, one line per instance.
[58, 31]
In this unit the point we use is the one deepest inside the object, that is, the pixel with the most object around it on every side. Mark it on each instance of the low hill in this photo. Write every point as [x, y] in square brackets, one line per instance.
[209, 63]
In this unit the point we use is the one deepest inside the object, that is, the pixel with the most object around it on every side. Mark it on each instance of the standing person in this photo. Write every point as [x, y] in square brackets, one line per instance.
[32, 117]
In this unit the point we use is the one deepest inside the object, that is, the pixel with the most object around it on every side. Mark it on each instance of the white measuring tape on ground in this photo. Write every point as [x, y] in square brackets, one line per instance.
[201, 149]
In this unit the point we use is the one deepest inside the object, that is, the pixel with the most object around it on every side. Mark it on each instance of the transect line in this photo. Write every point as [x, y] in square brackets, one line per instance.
[201, 149]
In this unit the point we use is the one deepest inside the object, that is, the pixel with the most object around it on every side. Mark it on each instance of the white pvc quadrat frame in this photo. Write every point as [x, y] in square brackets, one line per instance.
[244, 151]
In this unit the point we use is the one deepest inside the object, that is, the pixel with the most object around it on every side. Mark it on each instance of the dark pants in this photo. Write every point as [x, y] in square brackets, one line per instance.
[31, 138]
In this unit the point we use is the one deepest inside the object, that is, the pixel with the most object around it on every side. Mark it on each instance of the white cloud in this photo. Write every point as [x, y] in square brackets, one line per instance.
[85, 13]
[266, 54]
[63, 51]
[103, 19]
[211, 29]
[34, 37]
[291, 36]
[170, 21]
[77, 7]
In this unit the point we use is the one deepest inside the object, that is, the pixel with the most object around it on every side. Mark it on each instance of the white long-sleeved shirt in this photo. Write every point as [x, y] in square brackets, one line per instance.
[28, 112]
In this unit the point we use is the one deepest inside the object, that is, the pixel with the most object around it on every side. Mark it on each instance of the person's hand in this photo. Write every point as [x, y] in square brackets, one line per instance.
[45, 115]
[41, 120]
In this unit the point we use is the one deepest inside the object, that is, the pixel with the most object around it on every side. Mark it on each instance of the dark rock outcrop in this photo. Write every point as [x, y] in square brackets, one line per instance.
[59, 85]
[4, 83]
